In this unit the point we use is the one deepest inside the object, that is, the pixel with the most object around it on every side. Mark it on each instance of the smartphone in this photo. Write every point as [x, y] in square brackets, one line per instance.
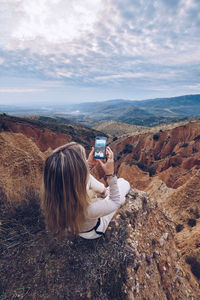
[100, 147]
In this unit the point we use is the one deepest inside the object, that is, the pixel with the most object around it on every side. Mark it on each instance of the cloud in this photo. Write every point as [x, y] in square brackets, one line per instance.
[2, 60]
[125, 28]
[20, 90]
[45, 23]
[145, 75]
[102, 41]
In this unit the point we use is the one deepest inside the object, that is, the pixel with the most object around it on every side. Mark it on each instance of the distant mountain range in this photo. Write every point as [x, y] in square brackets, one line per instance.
[152, 112]
[146, 112]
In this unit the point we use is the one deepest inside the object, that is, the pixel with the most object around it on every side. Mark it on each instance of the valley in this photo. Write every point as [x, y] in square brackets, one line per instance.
[150, 113]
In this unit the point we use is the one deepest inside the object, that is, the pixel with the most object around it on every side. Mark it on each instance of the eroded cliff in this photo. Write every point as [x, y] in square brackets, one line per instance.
[171, 155]
[151, 248]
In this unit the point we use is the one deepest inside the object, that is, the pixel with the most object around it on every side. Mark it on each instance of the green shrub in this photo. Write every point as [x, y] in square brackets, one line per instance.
[132, 163]
[119, 155]
[144, 167]
[197, 138]
[128, 148]
[4, 127]
[196, 213]
[179, 227]
[136, 156]
[151, 170]
[156, 136]
[156, 157]
[175, 164]
[184, 145]
[195, 266]
[194, 150]
[192, 222]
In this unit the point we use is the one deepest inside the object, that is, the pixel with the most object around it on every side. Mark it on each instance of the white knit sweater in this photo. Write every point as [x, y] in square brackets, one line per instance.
[101, 207]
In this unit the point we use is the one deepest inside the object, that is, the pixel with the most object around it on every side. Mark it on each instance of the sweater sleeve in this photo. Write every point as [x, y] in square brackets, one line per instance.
[104, 207]
[96, 185]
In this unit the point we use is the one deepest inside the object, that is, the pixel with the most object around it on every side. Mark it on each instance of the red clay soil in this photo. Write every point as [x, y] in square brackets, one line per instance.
[21, 166]
[174, 155]
[44, 138]
[153, 245]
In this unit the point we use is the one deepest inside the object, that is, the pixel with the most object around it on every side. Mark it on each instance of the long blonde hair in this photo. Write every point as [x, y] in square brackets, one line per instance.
[65, 199]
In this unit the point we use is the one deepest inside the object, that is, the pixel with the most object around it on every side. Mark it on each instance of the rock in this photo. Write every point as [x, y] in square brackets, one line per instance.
[161, 242]
[165, 235]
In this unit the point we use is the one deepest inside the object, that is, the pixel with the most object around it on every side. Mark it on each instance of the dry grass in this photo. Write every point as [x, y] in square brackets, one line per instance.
[122, 130]
[35, 265]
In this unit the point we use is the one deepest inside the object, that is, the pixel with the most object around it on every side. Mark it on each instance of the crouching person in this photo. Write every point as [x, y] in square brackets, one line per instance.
[67, 203]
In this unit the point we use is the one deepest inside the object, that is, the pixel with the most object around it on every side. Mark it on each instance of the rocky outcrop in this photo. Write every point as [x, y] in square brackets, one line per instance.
[138, 257]
[172, 155]
[135, 176]
[159, 270]
[183, 208]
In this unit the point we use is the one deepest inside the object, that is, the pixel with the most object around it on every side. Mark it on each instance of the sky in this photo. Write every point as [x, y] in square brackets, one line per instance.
[76, 51]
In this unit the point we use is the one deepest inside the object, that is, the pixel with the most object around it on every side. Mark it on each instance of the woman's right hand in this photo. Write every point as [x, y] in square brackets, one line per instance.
[108, 166]
[91, 161]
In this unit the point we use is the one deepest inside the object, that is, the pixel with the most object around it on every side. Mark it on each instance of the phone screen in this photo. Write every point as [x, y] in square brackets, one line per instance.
[100, 147]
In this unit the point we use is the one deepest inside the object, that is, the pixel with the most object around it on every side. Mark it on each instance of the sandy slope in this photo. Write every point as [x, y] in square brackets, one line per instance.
[21, 165]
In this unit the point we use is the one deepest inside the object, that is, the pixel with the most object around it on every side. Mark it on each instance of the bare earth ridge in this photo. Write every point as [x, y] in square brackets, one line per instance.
[151, 249]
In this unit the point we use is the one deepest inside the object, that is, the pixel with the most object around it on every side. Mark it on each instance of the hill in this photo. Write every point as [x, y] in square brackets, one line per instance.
[24, 145]
[151, 248]
[138, 257]
[117, 129]
[48, 133]
[121, 130]
[172, 155]
[150, 112]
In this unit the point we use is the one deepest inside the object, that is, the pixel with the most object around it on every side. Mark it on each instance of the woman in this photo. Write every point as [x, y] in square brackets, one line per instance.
[68, 183]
